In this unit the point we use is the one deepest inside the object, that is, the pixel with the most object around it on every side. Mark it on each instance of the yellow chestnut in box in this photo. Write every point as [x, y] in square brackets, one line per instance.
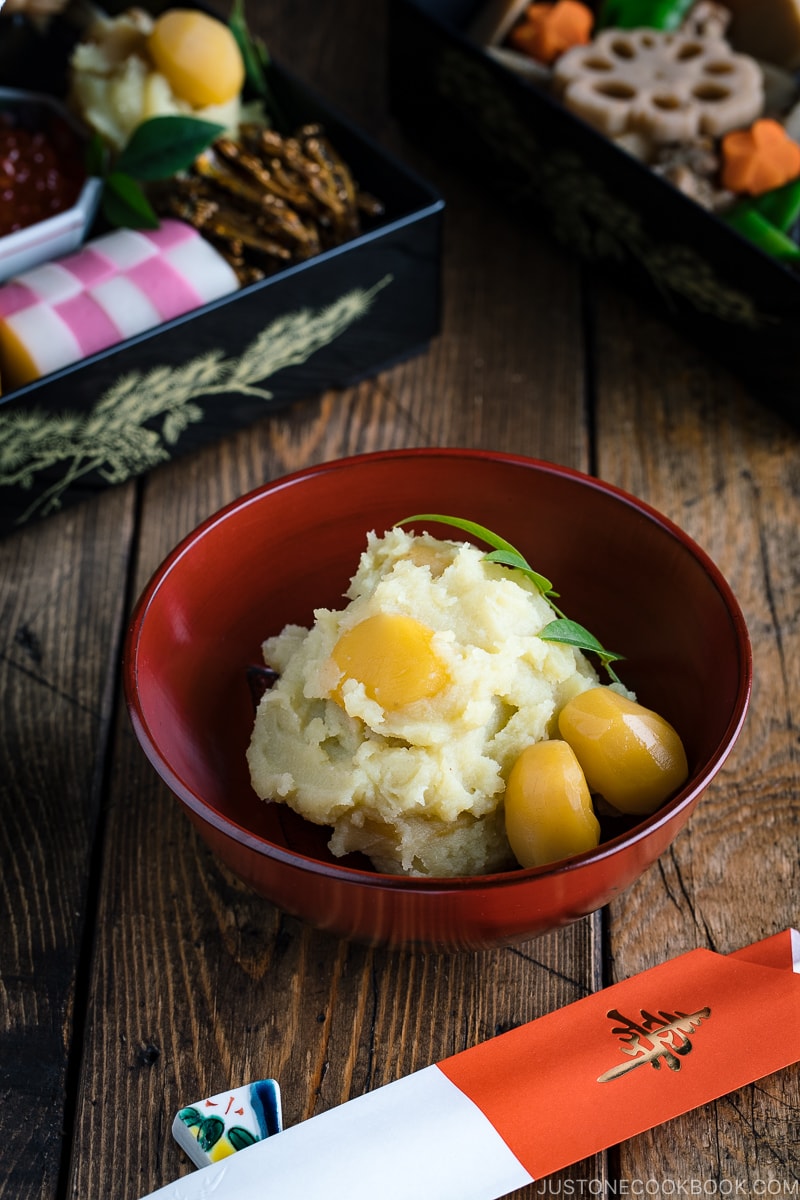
[198, 56]
[630, 755]
[548, 807]
[393, 657]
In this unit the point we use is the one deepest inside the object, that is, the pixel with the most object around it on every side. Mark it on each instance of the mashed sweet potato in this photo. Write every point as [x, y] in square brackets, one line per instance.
[419, 787]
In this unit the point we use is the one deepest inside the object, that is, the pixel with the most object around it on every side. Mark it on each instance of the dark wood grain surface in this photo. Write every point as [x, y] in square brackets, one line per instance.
[137, 974]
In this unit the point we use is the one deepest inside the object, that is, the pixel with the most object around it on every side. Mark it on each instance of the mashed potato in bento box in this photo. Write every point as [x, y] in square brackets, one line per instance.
[398, 719]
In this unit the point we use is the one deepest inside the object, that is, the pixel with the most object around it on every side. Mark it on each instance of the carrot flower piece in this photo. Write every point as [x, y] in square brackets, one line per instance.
[759, 159]
[547, 30]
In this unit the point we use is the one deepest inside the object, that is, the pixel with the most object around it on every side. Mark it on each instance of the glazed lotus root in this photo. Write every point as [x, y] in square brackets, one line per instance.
[668, 86]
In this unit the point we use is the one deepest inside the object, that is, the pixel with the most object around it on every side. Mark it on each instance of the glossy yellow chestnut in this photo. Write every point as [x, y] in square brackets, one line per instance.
[393, 656]
[630, 755]
[198, 55]
[548, 807]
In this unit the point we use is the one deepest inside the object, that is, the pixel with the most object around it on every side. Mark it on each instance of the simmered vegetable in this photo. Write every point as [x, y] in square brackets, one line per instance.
[637, 14]
[759, 159]
[547, 30]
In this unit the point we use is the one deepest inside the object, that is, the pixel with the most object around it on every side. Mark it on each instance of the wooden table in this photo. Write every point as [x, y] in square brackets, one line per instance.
[137, 974]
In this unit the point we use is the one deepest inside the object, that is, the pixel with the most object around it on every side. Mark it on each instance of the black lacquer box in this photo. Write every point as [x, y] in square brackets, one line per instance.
[324, 323]
[609, 208]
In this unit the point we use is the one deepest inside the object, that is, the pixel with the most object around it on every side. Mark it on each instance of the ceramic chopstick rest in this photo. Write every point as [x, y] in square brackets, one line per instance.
[218, 1126]
[554, 1091]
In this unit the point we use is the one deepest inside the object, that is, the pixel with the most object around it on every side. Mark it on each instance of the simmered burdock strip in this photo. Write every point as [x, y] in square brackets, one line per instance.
[272, 213]
[268, 200]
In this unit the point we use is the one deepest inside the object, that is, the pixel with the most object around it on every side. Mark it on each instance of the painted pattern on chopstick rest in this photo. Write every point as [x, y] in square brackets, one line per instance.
[218, 1126]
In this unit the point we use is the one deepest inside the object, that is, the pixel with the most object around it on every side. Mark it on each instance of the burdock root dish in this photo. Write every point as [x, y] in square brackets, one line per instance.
[407, 721]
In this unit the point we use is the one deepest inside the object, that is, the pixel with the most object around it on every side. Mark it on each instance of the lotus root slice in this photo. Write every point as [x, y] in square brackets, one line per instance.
[670, 87]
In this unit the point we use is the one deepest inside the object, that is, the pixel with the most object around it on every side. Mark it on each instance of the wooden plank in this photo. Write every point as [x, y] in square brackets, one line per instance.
[197, 984]
[194, 982]
[62, 596]
[681, 433]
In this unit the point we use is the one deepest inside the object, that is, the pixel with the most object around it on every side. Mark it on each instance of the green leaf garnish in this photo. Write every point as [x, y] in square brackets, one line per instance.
[96, 156]
[125, 205]
[252, 49]
[563, 630]
[162, 146]
[158, 149]
[510, 558]
[256, 64]
[504, 553]
[570, 633]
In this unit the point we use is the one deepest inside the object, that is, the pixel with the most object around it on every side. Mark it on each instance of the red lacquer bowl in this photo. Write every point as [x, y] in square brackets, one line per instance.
[631, 576]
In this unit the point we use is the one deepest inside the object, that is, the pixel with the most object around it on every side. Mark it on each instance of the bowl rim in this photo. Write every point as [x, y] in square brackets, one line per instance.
[201, 810]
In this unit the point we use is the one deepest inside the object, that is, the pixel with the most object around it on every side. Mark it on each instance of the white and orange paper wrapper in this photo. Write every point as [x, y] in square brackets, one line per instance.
[511, 1110]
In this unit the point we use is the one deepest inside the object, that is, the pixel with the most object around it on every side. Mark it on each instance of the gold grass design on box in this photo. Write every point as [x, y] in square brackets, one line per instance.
[584, 214]
[113, 437]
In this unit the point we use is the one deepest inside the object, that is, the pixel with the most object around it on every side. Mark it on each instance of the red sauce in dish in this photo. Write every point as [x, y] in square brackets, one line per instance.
[39, 175]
